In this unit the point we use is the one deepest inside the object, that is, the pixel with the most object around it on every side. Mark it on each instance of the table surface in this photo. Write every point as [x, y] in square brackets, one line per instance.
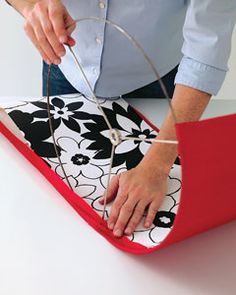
[47, 249]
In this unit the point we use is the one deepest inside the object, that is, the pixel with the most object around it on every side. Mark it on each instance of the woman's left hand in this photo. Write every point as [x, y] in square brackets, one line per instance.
[134, 191]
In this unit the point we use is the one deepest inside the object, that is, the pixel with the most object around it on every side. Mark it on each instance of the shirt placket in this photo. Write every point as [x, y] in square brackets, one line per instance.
[102, 7]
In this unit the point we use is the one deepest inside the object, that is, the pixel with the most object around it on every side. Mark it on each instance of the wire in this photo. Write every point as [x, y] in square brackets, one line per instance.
[114, 134]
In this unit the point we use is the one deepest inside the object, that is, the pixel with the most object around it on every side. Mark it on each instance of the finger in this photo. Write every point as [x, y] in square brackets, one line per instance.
[152, 211]
[43, 41]
[111, 190]
[57, 15]
[125, 214]
[136, 217]
[38, 18]
[70, 23]
[48, 30]
[30, 33]
[115, 209]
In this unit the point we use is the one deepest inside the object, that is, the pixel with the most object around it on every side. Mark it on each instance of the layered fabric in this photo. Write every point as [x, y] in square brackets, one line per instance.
[201, 188]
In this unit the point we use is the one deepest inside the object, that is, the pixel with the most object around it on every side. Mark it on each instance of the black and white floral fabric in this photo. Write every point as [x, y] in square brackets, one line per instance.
[84, 147]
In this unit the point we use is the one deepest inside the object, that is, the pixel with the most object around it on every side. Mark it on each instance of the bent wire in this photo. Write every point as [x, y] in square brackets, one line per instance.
[201, 187]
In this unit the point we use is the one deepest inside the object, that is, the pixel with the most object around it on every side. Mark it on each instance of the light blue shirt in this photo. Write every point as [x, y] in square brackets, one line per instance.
[195, 33]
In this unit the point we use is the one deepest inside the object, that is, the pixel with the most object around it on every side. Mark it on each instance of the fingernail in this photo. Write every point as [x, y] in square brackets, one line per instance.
[118, 233]
[111, 226]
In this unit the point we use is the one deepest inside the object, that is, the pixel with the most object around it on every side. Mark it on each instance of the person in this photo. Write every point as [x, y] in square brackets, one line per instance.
[188, 41]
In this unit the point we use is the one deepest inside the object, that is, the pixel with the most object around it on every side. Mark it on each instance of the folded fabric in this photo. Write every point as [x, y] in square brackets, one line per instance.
[201, 191]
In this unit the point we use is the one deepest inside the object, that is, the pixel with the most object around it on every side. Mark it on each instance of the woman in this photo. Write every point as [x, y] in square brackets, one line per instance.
[203, 29]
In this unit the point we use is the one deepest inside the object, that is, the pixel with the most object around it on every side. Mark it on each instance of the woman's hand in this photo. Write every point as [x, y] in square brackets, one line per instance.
[45, 25]
[134, 191]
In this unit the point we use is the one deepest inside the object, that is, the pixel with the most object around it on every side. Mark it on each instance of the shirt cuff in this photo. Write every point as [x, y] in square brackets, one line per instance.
[200, 76]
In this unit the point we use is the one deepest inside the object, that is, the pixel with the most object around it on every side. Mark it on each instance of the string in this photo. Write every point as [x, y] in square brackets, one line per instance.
[150, 140]
[114, 134]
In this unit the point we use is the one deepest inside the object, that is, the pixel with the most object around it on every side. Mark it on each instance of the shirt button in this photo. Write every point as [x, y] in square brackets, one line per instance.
[94, 70]
[101, 5]
[98, 40]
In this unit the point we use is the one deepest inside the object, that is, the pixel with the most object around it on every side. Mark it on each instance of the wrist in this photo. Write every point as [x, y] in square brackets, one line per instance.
[160, 157]
[157, 165]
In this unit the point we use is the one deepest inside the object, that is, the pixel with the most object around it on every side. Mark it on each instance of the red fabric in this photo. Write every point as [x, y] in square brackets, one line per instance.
[208, 196]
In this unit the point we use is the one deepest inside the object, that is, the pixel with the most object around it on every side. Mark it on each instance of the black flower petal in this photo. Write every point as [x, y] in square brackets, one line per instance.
[20, 118]
[45, 149]
[74, 106]
[36, 133]
[72, 124]
[40, 114]
[177, 161]
[102, 144]
[42, 105]
[58, 102]
[81, 115]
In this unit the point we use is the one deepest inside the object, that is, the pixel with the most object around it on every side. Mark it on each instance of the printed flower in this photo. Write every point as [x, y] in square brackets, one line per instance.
[104, 178]
[83, 190]
[130, 124]
[37, 133]
[173, 185]
[61, 112]
[99, 208]
[77, 160]
[163, 221]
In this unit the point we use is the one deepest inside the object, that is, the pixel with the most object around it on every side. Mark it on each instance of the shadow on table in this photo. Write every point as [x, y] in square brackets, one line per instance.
[205, 263]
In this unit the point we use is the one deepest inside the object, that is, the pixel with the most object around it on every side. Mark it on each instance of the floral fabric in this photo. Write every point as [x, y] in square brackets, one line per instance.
[82, 141]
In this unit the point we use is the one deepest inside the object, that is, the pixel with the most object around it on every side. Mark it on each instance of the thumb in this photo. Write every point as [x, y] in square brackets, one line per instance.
[111, 190]
[70, 25]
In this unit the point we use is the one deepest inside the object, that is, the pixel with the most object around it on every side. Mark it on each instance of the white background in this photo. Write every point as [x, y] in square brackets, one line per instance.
[47, 249]
[20, 64]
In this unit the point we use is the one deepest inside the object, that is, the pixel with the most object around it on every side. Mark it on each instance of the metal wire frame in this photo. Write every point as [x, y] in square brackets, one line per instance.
[115, 137]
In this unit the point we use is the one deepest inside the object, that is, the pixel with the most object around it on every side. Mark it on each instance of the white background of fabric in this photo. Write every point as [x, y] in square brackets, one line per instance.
[20, 63]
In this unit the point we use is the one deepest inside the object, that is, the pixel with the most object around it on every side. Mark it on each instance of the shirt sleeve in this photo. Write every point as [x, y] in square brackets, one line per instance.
[207, 35]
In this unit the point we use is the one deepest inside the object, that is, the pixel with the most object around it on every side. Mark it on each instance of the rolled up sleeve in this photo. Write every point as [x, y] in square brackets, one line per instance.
[206, 49]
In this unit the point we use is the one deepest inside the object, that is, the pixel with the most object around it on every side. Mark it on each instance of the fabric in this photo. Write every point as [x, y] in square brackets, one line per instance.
[60, 85]
[200, 194]
[203, 28]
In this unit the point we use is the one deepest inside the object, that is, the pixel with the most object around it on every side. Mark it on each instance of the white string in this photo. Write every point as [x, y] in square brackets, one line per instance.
[150, 140]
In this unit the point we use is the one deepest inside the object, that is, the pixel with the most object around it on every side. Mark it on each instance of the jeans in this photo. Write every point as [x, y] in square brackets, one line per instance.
[60, 85]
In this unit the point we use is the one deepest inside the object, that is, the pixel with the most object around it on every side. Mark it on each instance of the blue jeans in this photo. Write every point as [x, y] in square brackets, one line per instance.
[60, 85]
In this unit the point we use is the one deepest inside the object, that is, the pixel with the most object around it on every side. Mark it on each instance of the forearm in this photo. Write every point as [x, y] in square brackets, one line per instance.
[188, 104]
[22, 5]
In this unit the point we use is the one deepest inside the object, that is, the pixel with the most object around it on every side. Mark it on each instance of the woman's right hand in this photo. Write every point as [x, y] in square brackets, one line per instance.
[45, 24]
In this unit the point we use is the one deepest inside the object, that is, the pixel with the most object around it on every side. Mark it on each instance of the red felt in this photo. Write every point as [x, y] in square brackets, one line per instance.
[208, 196]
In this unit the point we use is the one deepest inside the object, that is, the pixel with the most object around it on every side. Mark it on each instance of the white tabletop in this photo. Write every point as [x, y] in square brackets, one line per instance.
[47, 249]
